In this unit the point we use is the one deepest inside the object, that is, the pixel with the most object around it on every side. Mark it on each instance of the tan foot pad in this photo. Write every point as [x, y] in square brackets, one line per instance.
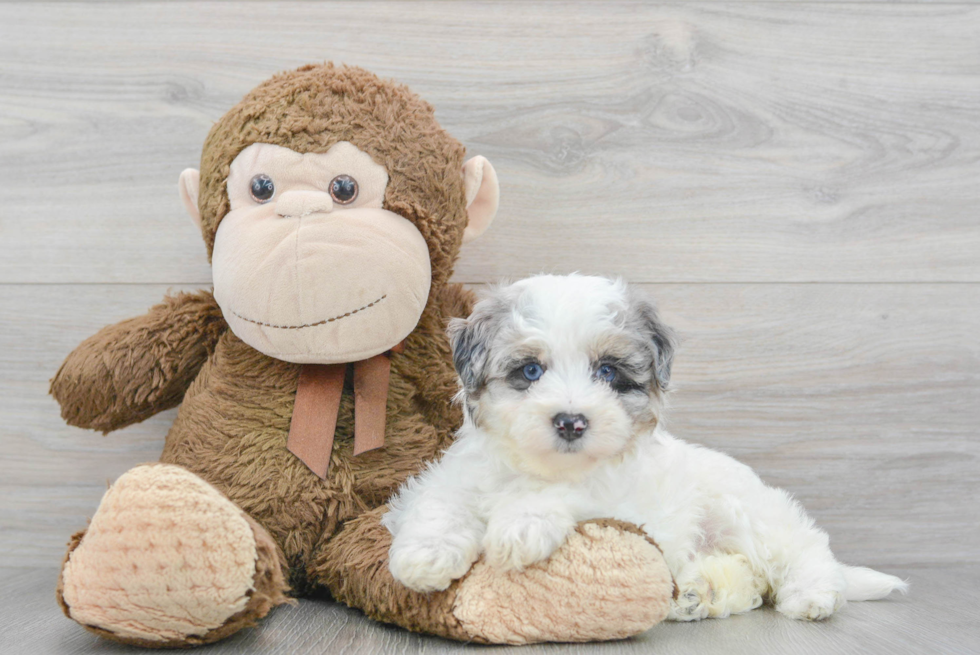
[606, 582]
[166, 557]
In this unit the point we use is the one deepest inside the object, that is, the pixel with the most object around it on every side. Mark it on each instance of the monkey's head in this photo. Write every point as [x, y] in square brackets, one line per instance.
[332, 204]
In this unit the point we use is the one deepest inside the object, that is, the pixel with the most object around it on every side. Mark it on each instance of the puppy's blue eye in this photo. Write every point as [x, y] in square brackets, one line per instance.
[532, 372]
[606, 372]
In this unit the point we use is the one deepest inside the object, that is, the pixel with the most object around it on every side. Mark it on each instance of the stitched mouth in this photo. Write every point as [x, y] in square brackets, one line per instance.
[326, 320]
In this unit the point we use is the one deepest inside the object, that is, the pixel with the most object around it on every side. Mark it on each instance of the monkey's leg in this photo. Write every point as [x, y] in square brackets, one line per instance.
[166, 561]
[608, 581]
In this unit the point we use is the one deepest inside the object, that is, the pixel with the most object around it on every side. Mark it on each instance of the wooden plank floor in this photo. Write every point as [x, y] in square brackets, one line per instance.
[797, 184]
[701, 142]
[925, 623]
[857, 398]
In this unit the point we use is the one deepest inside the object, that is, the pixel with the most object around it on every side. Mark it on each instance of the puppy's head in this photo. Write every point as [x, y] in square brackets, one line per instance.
[562, 371]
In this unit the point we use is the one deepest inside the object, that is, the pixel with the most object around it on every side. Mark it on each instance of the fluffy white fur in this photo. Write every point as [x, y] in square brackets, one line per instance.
[511, 487]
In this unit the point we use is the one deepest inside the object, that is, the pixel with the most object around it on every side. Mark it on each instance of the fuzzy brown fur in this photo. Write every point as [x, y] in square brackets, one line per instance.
[237, 403]
[314, 107]
[130, 371]
[232, 428]
[355, 569]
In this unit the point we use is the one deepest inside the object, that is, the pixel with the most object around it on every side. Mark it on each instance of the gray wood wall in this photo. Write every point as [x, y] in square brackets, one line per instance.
[797, 184]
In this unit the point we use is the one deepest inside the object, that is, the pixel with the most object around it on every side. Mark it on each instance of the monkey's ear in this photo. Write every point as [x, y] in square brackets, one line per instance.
[482, 196]
[189, 186]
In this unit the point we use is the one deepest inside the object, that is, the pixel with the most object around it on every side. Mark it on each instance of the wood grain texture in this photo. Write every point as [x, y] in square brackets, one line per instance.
[860, 399]
[700, 142]
[924, 622]
[797, 182]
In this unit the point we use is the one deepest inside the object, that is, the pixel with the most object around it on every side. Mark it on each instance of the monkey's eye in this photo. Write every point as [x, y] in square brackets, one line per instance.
[606, 372]
[262, 188]
[532, 371]
[343, 189]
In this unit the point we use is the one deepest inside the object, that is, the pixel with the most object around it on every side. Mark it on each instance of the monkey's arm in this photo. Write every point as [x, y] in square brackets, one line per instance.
[129, 371]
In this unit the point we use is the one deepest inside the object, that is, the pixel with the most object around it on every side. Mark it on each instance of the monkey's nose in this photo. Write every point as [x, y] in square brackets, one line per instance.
[297, 204]
[570, 426]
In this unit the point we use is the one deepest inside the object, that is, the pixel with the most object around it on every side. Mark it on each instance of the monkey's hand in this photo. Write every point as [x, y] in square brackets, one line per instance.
[129, 371]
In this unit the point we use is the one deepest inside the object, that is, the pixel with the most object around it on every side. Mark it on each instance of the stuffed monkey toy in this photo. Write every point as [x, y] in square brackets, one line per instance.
[312, 381]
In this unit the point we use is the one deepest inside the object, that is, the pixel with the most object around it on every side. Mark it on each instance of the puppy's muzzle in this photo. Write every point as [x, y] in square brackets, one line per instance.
[570, 426]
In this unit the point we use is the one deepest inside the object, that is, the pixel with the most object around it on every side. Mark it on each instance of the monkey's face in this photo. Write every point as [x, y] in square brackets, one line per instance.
[332, 203]
[308, 266]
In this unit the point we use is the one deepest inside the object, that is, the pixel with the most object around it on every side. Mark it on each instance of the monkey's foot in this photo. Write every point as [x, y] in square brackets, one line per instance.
[607, 581]
[168, 560]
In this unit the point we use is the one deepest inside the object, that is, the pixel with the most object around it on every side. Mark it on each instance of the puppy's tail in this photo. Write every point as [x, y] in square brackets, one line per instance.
[868, 584]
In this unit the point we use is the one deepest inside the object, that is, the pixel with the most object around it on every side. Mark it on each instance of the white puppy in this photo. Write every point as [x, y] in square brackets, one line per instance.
[563, 379]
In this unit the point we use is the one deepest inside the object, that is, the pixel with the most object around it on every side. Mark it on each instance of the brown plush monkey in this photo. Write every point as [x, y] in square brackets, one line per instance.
[333, 207]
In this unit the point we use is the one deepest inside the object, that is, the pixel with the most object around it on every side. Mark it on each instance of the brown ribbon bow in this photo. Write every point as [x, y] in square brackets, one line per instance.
[311, 431]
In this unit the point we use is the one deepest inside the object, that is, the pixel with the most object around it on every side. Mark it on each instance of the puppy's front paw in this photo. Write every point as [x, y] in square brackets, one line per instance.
[429, 565]
[515, 543]
[813, 605]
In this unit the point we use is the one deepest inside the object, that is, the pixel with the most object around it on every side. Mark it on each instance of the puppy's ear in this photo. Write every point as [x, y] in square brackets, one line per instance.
[470, 339]
[659, 337]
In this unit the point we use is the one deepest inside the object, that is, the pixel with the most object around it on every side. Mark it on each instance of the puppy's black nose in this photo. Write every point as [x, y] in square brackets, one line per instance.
[570, 426]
